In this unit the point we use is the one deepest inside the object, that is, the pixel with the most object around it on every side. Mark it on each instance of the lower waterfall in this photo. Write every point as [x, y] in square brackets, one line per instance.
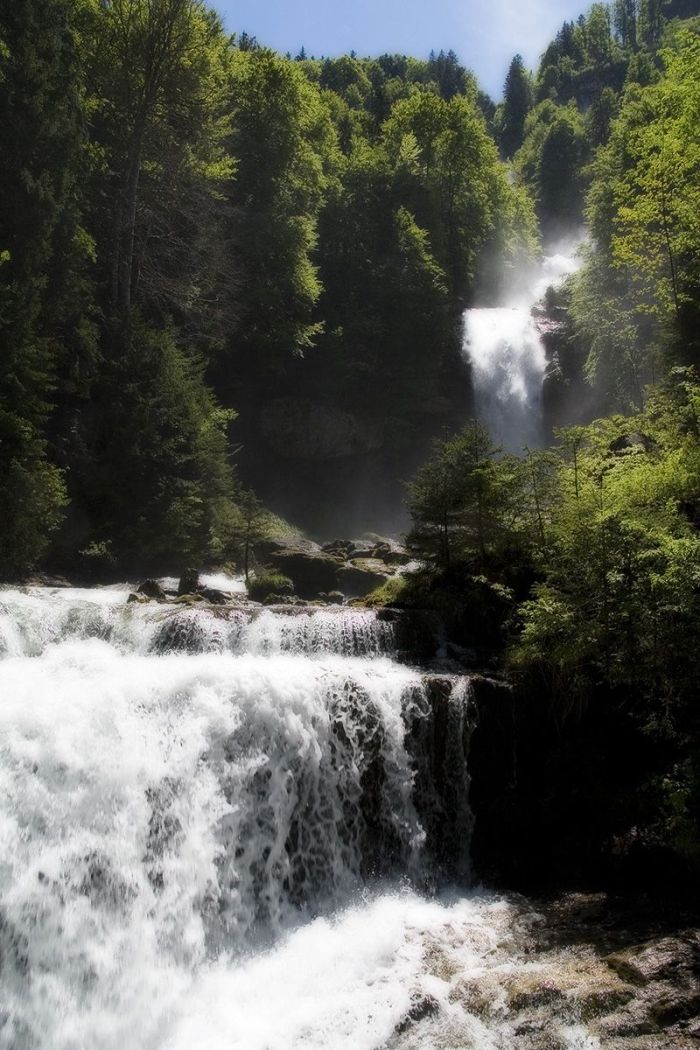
[241, 829]
[181, 788]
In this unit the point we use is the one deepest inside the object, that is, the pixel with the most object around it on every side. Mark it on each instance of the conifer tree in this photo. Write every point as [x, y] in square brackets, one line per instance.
[516, 106]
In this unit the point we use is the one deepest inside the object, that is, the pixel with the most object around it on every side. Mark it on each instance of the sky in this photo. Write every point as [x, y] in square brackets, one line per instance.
[484, 33]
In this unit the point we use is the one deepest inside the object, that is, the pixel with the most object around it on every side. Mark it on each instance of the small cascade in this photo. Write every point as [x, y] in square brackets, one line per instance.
[182, 787]
[32, 620]
[507, 357]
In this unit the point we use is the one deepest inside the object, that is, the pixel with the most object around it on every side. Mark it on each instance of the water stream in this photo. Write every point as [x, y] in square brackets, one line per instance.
[239, 829]
[507, 356]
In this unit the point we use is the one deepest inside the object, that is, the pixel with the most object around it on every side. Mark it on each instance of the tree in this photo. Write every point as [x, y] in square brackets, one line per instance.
[642, 209]
[40, 110]
[156, 68]
[285, 148]
[517, 103]
[651, 22]
[463, 501]
[163, 491]
[625, 22]
[551, 162]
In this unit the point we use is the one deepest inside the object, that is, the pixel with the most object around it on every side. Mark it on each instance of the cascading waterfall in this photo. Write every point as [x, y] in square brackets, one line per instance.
[244, 829]
[180, 788]
[507, 356]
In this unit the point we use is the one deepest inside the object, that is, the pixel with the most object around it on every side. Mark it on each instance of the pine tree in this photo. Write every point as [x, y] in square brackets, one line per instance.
[625, 22]
[40, 117]
[516, 106]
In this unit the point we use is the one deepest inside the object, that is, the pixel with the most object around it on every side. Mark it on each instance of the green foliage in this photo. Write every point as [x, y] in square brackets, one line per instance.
[581, 566]
[517, 102]
[170, 457]
[551, 162]
[636, 302]
[618, 601]
[393, 592]
[265, 584]
[285, 144]
[464, 503]
[40, 115]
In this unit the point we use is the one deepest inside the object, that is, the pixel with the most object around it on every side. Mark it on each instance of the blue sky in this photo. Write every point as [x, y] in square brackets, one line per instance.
[484, 33]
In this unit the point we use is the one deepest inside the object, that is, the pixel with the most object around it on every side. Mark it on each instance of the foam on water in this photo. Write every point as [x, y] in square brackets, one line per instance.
[228, 849]
[507, 355]
[31, 620]
[162, 809]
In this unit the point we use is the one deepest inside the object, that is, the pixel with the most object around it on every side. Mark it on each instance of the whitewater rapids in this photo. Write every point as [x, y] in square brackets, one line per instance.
[235, 830]
[507, 357]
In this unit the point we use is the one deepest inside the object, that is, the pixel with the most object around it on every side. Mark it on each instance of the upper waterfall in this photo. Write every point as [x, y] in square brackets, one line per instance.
[507, 356]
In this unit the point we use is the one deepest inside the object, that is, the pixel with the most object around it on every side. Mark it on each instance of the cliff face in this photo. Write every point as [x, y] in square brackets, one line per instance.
[566, 396]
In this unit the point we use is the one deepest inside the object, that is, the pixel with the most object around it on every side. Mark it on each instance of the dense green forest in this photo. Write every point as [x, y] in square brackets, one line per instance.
[193, 227]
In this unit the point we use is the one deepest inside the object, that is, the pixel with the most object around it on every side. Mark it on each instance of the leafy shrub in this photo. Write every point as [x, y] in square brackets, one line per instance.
[267, 583]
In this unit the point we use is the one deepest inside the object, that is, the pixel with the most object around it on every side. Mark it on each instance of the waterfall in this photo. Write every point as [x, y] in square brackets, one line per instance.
[507, 356]
[189, 797]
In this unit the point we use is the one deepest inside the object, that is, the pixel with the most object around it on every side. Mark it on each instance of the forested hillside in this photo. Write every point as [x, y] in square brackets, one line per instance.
[224, 268]
[193, 226]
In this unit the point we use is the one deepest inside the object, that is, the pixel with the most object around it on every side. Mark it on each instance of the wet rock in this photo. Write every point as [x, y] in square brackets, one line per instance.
[422, 1007]
[181, 633]
[672, 958]
[334, 598]
[362, 575]
[676, 1005]
[44, 579]
[138, 599]
[214, 596]
[628, 1023]
[338, 548]
[189, 582]
[311, 570]
[287, 600]
[153, 590]
[581, 989]
[190, 599]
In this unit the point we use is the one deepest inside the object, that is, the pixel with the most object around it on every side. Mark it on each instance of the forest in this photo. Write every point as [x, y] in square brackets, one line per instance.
[232, 285]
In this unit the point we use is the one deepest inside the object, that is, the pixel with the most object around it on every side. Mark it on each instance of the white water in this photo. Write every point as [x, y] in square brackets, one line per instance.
[222, 835]
[173, 797]
[507, 356]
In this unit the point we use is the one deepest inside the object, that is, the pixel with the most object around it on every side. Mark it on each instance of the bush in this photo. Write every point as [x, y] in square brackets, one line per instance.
[393, 591]
[268, 583]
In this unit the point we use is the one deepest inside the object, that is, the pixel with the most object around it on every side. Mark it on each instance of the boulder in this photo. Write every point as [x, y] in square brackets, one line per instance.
[310, 569]
[673, 958]
[339, 548]
[152, 589]
[362, 575]
[189, 582]
[137, 599]
[214, 596]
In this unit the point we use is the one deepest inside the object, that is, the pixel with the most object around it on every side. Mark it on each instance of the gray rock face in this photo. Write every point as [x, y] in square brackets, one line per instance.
[153, 590]
[299, 429]
[189, 582]
[309, 568]
[361, 575]
[342, 568]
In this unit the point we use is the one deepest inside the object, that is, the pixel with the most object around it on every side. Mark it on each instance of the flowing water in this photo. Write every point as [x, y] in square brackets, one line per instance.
[237, 830]
[507, 356]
